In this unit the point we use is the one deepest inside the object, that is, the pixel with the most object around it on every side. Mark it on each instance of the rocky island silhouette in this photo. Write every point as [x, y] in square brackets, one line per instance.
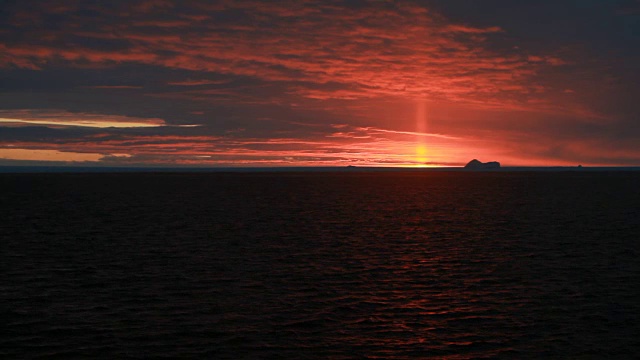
[476, 164]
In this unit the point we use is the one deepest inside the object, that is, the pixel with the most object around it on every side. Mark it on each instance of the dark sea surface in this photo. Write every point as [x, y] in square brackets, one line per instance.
[313, 265]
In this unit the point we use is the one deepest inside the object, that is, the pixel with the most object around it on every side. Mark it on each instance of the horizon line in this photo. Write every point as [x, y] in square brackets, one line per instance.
[54, 168]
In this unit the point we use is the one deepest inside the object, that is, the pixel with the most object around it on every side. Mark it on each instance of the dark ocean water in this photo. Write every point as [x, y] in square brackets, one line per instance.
[320, 265]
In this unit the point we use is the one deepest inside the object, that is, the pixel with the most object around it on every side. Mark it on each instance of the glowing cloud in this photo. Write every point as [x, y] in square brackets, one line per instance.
[378, 50]
[48, 155]
[60, 118]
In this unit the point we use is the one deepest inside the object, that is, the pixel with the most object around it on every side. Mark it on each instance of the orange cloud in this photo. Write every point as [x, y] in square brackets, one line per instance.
[399, 50]
[47, 155]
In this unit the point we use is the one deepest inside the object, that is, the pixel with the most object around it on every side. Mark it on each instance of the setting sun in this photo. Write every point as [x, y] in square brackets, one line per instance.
[421, 153]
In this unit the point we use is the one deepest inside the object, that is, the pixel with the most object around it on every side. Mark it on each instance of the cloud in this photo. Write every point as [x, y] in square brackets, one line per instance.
[48, 155]
[190, 82]
[379, 50]
[330, 145]
[472, 30]
[115, 87]
[61, 118]
[411, 133]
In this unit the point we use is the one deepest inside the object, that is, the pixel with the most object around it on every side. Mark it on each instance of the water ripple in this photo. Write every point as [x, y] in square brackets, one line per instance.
[321, 265]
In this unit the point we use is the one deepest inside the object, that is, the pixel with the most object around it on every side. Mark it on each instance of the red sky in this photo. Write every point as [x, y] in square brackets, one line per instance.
[319, 83]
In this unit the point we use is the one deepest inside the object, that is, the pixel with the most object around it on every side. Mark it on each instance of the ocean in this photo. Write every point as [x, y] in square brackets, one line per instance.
[314, 265]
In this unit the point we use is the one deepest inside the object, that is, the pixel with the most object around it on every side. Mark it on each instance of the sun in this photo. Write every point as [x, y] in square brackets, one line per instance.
[421, 153]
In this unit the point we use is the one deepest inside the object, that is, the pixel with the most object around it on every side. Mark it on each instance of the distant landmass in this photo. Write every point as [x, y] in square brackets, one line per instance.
[476, 164]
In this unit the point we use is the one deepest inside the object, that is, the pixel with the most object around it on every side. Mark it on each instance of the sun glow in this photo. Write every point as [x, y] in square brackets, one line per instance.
[421, 127]
[421, 153]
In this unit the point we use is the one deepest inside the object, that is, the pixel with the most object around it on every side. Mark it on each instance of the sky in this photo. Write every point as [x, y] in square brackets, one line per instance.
[319, 83]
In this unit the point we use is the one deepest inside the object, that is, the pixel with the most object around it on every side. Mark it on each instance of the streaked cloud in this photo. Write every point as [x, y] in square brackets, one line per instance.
[190, 82]
[116, 87]
[381, 49]
[48, 155]
[359, 145]
[61, 118]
